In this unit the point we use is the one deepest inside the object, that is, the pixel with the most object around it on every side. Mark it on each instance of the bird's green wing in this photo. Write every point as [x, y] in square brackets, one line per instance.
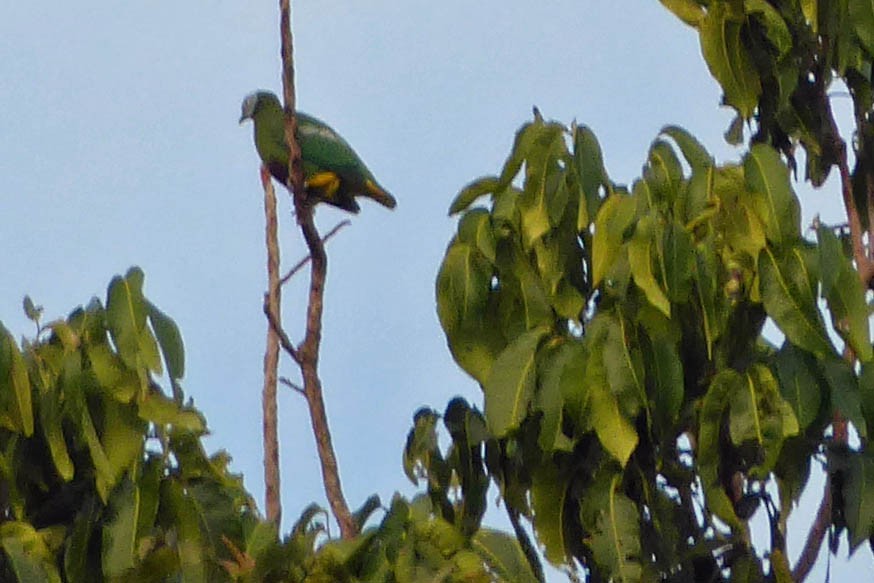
[323, 149]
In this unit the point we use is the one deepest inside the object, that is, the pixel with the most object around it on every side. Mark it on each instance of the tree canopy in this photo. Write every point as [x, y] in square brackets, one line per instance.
[635, 416]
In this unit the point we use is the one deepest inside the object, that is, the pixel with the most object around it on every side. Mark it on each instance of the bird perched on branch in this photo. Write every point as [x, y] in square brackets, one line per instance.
[333, 172]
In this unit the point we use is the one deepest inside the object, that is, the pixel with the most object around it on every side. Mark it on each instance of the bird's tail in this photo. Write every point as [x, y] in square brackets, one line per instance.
[377, 193]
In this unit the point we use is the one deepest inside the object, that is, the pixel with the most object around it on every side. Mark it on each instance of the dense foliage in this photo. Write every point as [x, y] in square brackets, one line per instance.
[104, 476]
[636, 413]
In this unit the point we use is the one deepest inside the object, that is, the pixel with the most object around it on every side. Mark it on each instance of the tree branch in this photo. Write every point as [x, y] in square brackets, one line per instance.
[309, 348]
[525, 542]
[814, 538]
[865, 268]
[293, 386]
[276, 326]
[864, 265]
[300, 264]
[270, 418]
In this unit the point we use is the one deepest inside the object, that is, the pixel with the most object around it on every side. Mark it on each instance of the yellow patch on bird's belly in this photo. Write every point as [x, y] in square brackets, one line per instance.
[321, 179]
[327, 182]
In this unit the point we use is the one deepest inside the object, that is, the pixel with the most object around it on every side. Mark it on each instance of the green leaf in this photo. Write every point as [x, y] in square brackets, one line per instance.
[846, 396]
[640, 259]
[30, 558]
[810, 9]
[677, 261]
[589, 164]
[189, 544]
[476, 347]
[462, 286]
[709, 294]
[542, 177]
[126, 313]
[536, 310]
[548, 398]
[51, 419]
[664, 370]
[126, 434]
[169, 339]
[79, 567]
[470, 193]
[734, 133]
[105, 475]
[614, 217]
[510, 386]
[728, 59]
[723, 387]
[615, 432]
[788, 294]
[624, 366]
[161, 410]
[549, 492]
[117, 381]
[798, 383]
[866, 392]
[689, 11]
[366, 510]
[616, 542]
[695, 154]
[861, 15]
[759, 414]
[573, 382]
[119, 532]
[663, 171]
[697, 205]
[843, 291]
[149, 491]
[32, 311]
[15, 388]
[858, 496]
[502, 553]
[775, 27]
[475, 228]
[776, 204]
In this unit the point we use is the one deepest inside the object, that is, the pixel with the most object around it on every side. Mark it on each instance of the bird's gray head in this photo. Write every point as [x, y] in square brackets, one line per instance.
[255, 101]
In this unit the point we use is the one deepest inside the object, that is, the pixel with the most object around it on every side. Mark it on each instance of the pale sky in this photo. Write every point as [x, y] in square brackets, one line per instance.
[121, 147]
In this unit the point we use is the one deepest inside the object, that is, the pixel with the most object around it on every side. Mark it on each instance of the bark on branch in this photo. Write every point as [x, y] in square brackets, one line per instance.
[865, 269]
[308, 351]
[270, 418]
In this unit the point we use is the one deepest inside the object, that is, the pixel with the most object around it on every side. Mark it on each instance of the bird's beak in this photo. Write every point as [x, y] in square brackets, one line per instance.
[243, 118]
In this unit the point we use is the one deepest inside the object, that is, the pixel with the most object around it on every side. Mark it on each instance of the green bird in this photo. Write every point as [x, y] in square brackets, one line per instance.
[333, 172]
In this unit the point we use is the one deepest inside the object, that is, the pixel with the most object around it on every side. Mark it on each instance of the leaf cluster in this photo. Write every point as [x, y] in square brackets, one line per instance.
[637, 412]
[104, 475]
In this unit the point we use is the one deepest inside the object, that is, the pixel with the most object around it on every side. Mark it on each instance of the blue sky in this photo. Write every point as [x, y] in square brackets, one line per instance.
[121, 147]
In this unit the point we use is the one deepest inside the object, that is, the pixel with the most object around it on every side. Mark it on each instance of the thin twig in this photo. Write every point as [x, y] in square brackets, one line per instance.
[309, 348]
[300, 264]
[525, 542]
[272, 305]
[292, 386]
[276, 326]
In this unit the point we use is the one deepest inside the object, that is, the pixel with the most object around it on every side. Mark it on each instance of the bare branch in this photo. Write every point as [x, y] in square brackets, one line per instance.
[865, 268]
[300, 264]
[309, 348]
[864, 265]
[292, 386]
[272, 305]
[814, 538]
[528, 549]
[276, 326]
